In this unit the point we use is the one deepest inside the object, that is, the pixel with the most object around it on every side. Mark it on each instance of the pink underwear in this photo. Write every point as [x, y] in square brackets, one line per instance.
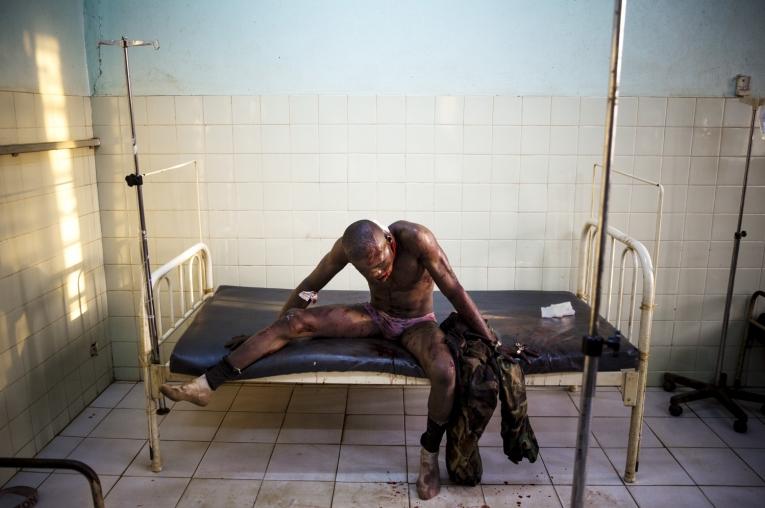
[393, 327]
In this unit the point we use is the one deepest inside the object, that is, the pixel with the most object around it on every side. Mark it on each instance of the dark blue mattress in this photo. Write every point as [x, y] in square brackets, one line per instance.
[234, 310]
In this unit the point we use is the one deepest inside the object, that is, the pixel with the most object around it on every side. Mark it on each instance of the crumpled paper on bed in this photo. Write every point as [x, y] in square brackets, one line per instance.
[558, 310]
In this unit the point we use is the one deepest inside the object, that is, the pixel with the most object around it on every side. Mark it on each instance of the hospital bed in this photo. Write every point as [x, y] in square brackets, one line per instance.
[195, 320]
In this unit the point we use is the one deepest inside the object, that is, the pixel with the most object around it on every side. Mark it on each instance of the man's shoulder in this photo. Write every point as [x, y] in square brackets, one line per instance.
[405, 230]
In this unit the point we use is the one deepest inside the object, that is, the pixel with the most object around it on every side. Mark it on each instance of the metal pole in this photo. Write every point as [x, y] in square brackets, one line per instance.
[593, 345]
[737, 236]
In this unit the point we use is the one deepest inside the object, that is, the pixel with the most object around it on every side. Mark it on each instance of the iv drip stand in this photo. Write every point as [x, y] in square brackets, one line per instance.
[592, 344]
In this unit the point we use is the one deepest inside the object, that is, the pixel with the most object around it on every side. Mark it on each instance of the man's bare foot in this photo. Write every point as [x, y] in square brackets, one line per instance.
[429, 482]
[197, 392]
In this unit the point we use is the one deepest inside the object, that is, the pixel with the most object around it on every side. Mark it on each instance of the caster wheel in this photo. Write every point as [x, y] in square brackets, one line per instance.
[669, 386]
[739, 426]
[675, 409]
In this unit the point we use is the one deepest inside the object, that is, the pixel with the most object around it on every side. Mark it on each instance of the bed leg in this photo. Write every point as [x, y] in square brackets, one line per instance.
[151, 391]
[636, 422]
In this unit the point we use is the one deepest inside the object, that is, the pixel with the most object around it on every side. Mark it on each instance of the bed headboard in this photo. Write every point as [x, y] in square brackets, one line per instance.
[631, 270]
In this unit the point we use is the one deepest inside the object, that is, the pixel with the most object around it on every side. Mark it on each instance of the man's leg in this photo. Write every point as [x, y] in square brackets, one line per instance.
[326, 321]
[426, 342]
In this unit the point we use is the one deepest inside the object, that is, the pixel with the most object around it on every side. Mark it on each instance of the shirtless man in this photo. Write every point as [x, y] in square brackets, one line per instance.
[401, 264]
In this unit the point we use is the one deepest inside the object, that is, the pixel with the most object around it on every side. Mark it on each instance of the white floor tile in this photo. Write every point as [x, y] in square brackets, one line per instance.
[295, 494]
[499, 470]
[179, 459]
[220, 401]
[449, 497]
[303, 462]
[614, 433]
[124, 423]
[669, 496]
[107, 456]
[375, 401]
[248, 427]
[360, 463]
[70, 491]
[191, 425]
[684, 432]
[416, 400]
[735, 497]
[605, 403]
[112, 395]
[312, 428]
[657, 403]
[85, 422]
[235, 461]
[755, 458]
[550, 403]
[202, 492]
[131, 492]
[656, 467]
[560, 466]
[352, 495]
[616, 496]
[262, 399]
[318, 399]
[554, 431]
[754, 437]
[527, 496]
[716, 466]
[374, 429]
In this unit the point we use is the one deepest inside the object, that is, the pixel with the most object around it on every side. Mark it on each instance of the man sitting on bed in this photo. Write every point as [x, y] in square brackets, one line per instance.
[401, 264]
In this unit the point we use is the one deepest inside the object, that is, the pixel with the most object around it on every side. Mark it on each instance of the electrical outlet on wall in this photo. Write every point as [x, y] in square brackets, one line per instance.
[93, 350]
[743, 87]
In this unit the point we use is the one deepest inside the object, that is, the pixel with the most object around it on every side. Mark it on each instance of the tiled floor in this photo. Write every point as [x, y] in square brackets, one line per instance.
[338, 446]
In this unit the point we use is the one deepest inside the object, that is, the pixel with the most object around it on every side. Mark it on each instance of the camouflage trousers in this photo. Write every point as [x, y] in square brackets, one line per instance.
[483, 375]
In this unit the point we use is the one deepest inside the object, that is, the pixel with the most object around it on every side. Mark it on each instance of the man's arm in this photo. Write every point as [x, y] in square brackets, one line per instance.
[329, 266]
[435, 261]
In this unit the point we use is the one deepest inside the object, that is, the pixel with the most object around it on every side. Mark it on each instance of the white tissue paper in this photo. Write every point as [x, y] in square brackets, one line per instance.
[558, 310]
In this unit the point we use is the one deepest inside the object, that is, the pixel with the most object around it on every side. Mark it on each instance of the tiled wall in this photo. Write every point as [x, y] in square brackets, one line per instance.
[52, 285]
[503, 181]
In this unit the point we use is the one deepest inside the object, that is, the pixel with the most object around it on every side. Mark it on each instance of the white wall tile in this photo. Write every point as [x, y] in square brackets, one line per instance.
[333, 109]
[737, 114]
[391, 109]
[478, 110]
[680, 111]
[160, 110]
[476, 168]
[190, 138]
[508, 110]
[591, 140]
[8, 114]
[652, 111]
[477, 139]
[533, 169]
[419, 138]
[304, 139]
[564, 111]
[276, 168]
[593, 111]
[391, 138]
[649, 140]
[304, 109]
[391, 168]
[564, 140]
[535, 140]
[247, 138]
[450, 110]
[627, 112]
[448, 138]
[274, 109]
[362, 109]
[420, 168]
[245, 109]
[536, 111]
[217, 109]
[362, 138]
[709, 112]
[275, 138]
[506, 139]
[218, 139]
[420, 109]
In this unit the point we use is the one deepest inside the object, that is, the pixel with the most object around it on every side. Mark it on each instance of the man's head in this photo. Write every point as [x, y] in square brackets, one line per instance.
[370, 249]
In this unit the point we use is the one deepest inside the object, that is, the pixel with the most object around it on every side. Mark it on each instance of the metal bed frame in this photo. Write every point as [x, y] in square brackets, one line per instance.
[186, 282]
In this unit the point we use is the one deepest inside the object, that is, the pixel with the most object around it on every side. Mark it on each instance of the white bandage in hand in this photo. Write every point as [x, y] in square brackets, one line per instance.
[557, 310]
[309, 296]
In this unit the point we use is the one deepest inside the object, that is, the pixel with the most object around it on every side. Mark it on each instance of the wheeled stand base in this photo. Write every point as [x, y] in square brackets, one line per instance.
[720, 391]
